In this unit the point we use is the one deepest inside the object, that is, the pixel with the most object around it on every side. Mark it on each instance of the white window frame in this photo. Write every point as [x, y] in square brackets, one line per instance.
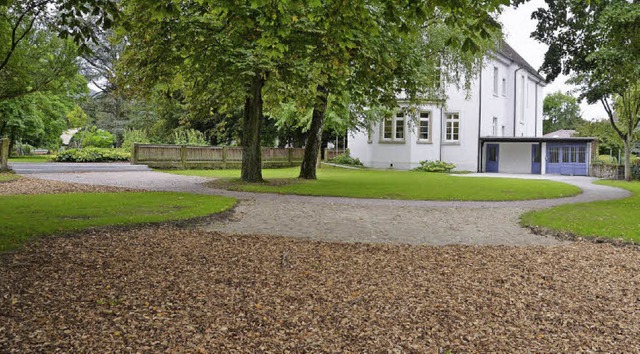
[449, 119]
[427, 119]
[496, 75]
[394, 124]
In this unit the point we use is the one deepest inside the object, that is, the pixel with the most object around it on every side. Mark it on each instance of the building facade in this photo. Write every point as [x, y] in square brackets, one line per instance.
[495, 127]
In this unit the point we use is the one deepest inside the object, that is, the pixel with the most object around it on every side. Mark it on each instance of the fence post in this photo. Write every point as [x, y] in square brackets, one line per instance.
[4, 154]
[183, 156]
[134, 157]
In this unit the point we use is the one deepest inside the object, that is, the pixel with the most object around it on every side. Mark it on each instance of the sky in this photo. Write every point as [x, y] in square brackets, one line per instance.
[517, 26]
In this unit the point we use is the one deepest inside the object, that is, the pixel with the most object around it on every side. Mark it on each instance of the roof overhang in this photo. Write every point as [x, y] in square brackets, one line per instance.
[539, 139]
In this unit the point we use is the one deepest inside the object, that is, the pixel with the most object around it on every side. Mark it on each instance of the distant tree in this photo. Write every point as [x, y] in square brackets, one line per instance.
[608, 139]
[76, 118]
[561, 111]
[599, 44]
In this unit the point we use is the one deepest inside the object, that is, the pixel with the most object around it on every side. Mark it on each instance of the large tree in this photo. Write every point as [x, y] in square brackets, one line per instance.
[561, 111]
[369, 53]
[598, 43]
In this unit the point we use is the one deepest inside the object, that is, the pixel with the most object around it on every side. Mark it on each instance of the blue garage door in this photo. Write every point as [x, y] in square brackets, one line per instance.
[567, 159]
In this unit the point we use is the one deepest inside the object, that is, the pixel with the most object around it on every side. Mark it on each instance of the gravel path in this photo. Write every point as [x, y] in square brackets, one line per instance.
[361, 220]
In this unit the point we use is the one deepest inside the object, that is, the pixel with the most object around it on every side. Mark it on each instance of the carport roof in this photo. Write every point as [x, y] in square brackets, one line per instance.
[536, 139]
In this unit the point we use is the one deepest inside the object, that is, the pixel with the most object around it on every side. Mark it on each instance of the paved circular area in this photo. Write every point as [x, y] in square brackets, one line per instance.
[362, 220]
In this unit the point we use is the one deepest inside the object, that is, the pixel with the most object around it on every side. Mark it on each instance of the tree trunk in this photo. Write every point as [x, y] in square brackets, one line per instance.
[251, 154]
[627, 158]
[314, 139]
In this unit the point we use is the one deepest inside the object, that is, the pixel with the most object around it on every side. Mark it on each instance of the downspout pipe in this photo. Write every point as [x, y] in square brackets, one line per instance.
[515, 98]
[480, 123]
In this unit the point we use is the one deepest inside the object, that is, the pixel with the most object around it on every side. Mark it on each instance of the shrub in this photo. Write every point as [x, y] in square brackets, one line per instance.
[92, 137]
[189, 137]
[346, 159]
[132, 136]
[21, 149]
[92, 154]
[434, 166]
[635, 170]
[607, 159]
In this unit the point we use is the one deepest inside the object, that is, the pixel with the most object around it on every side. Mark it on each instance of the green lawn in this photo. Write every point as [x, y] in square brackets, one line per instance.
[25, 216]
[608, 219]
[391, 185]
[6, 177]
[34, 158]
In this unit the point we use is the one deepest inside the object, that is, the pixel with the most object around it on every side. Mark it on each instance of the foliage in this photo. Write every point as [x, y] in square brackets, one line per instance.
[635, 170]
[346, 159]
[25, 216]
[561, 111]
[606, 159]
[389, 184]
[189, 137]
[434, 166]
[92, 154]
[608, 140]
[132, 136]
[606, 219]
[37, 119]
[92, 137]
[22, 149]
[76, 118]
[600, 45]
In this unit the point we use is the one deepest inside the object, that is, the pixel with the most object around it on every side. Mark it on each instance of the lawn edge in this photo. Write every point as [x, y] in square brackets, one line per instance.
[223, 215]
[572, 237]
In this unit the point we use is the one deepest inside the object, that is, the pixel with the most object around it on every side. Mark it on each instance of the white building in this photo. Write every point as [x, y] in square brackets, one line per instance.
[497, 127]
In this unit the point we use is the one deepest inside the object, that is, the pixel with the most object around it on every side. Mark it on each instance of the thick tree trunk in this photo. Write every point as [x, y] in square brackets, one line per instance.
[627, 158]
[314, 139]
[251, 154]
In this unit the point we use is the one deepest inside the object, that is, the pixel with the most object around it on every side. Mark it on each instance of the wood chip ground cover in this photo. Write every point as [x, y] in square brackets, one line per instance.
[165, 289]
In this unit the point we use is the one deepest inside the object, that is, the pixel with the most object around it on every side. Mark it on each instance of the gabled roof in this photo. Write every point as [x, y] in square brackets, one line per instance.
[562, 133]
[505, 49]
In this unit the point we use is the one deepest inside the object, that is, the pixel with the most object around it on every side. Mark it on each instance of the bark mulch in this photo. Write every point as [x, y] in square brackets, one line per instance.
[165, 289]
[26, 185]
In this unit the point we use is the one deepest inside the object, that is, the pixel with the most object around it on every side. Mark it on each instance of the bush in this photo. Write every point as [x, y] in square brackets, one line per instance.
[189, 137]
[635, 170]
[434, 166]
[92, 154]
[132, 136]
[93, 137]
[20, 149]
[606, 159]
[346, 159]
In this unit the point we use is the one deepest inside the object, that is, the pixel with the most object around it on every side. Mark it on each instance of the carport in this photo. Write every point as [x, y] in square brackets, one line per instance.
[536, 155]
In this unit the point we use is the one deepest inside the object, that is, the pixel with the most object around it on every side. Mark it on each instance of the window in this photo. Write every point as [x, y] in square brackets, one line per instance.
[495, 80]
[393, 128]
[494, 126]
[424, 127]
[504, 87]
[399, 126]
[452, 128]
[554, 155]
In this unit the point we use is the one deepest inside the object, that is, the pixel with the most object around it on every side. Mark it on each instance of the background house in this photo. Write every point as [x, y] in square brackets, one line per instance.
[497, 127]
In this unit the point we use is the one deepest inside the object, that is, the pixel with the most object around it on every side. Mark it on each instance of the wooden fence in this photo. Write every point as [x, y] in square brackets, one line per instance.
[213, 157]
[331, 153]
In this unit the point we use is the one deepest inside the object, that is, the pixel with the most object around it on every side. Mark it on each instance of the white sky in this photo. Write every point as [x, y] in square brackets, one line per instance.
[518, 25]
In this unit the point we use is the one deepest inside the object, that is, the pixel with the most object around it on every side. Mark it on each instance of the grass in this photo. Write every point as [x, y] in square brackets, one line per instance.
[616, 219]
[390, 185]
[6, 177]
[34, 158]
[25, 216]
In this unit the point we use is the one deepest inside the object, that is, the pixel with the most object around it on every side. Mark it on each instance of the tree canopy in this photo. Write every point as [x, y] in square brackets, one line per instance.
[598, 43]
[561, 111]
